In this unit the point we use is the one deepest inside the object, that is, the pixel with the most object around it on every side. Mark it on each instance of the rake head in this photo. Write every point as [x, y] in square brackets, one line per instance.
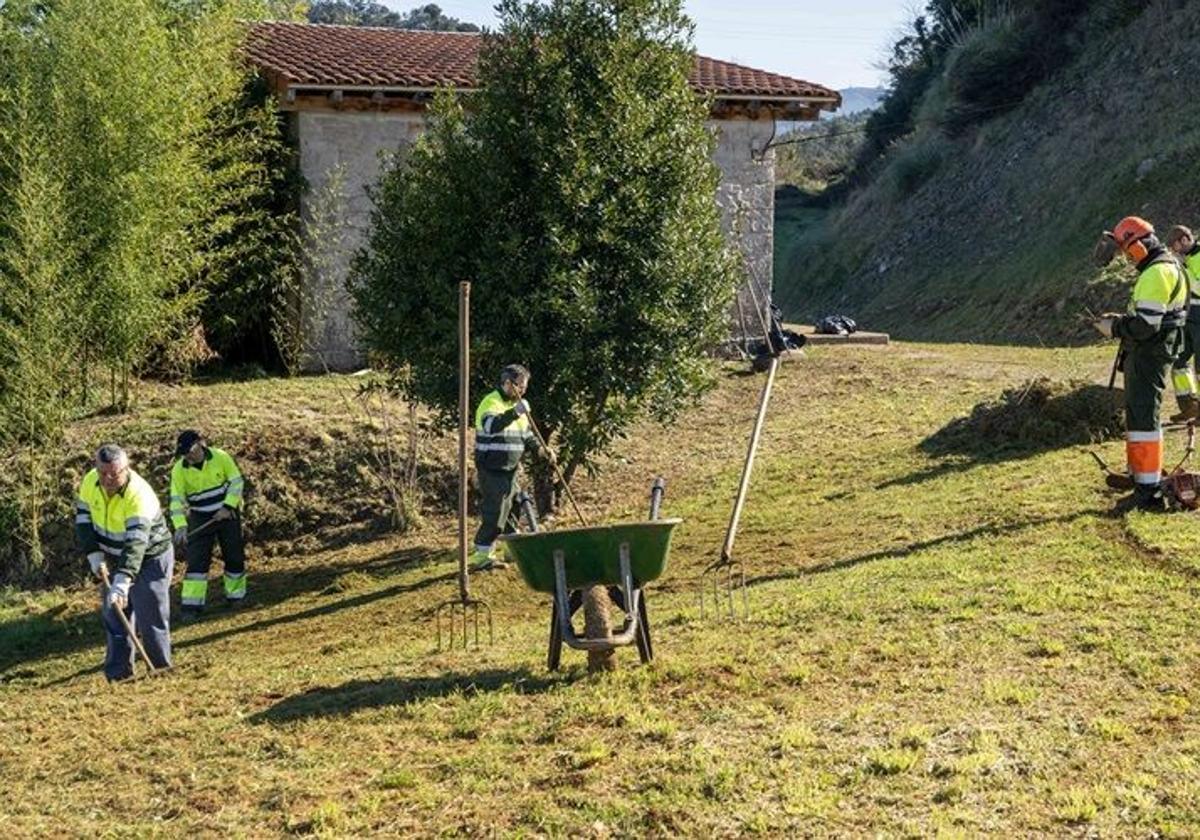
[461, 618]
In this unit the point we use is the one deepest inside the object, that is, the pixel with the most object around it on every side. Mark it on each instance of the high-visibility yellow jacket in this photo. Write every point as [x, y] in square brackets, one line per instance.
[128, 525]
[1158, 302]
[1191, 263]
[500, 435]
[206, 487]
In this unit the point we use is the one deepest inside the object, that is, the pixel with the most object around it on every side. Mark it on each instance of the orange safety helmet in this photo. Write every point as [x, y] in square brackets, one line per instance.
[1129, 235]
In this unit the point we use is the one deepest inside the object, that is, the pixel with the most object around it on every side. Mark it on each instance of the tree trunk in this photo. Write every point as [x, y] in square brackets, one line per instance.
[543, 489]
[597, 624]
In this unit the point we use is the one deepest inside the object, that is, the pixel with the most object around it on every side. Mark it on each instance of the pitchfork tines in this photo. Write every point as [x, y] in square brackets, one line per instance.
[461, 616]
[724, 582]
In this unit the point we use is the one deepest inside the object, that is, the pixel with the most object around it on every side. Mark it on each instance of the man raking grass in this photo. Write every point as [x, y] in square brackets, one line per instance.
[502, 434]
[206, 496]
[118, 518]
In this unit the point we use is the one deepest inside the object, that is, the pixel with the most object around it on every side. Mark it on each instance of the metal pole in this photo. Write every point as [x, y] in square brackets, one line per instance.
[727, 550]
[464, 408]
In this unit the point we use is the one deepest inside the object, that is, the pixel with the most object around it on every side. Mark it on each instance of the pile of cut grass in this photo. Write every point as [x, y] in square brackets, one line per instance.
[1038, 415]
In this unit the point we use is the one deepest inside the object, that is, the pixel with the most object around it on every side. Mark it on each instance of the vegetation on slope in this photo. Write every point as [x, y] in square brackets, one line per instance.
[950, 643]
[984, 229]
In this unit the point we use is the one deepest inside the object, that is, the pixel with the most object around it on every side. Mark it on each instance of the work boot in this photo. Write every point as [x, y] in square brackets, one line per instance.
[481, 561]
[1119, 481]
[1189, 409]
[1149, 497]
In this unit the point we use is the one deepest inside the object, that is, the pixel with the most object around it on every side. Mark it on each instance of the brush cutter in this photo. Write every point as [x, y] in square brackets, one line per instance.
[463, 612]
[1182, 487]
[124, 619]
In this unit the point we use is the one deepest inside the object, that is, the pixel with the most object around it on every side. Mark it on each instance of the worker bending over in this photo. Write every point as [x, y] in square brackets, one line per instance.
[118, 520]
[1151, 333]
[502, 433]
[206, 497]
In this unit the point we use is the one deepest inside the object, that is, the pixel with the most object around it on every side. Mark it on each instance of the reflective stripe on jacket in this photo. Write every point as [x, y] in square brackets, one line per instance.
[500, 435]
[128, 525]
[214, 483]
[1159, 300]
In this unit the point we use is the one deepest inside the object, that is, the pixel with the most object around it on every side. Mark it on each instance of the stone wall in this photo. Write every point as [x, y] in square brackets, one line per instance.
[746, 197]
[341, 156]
[346, 150]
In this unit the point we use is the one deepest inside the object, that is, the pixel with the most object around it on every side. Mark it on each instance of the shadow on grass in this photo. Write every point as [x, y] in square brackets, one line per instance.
[356, 695]
[983, 531]
[30, 639]
[1040, 416]
[323, 609]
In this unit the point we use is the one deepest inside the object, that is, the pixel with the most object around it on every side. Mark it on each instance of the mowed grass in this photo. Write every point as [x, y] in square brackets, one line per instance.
[957, 646]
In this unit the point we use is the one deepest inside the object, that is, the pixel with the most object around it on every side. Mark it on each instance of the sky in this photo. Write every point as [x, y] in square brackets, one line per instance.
[836, 44]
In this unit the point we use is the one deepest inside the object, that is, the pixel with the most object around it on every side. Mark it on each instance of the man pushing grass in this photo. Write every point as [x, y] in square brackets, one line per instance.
[502, 433]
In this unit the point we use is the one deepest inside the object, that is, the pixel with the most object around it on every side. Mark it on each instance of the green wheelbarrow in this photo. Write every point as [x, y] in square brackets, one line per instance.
[623, 557]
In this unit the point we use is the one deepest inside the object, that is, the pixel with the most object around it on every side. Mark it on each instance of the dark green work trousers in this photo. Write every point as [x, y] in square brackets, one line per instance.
[497, 489]
[1147, 368]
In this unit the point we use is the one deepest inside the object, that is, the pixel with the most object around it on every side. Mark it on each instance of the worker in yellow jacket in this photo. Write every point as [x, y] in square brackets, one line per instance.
[1183, 244]
[206, 500]
[1151, 333]
[118, 521]
[502, 434]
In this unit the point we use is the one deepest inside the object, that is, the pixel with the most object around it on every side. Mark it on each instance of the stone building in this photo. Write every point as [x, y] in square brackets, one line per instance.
[354, 93]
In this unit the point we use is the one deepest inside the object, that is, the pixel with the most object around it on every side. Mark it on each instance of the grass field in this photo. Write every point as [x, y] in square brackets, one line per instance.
[954, 645]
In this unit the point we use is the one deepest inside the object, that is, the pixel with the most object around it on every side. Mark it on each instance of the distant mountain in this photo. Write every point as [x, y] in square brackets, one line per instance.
[856, 99]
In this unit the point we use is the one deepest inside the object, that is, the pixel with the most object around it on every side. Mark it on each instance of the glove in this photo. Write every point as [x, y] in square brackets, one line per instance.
[522, 408]
[180, 537]
[118, 593]
[549, 455]
[96, 561]
[1104, 326]
[223, 514]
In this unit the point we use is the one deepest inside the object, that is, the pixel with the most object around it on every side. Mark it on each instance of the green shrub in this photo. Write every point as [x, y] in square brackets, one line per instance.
[913, 163]
[990, 72]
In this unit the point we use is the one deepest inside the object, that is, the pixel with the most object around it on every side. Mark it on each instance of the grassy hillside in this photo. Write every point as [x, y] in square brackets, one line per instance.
[989, 235]
[949, 639]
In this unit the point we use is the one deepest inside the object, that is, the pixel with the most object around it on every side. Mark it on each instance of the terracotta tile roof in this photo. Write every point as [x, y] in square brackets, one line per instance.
[301, 54]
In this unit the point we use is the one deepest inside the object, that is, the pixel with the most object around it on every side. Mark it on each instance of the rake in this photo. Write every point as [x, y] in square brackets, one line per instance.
[133, 637]
[462, 614]
[725, 578]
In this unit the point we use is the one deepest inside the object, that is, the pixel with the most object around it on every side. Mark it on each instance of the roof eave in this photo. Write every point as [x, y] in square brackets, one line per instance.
[769, 101]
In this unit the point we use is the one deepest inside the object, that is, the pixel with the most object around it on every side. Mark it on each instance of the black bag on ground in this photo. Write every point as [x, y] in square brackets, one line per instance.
[837, 325]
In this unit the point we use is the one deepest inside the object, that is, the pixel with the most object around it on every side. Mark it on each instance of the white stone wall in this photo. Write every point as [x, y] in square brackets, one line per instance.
[746, 197]
[347, 149]
[348, 146]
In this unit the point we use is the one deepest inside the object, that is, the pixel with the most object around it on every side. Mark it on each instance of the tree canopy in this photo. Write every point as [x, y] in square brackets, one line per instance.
[576, 190]
[367, 13]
